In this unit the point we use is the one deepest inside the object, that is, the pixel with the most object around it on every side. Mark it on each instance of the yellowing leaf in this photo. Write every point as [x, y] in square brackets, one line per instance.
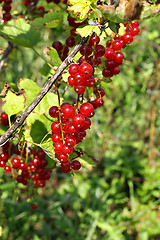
[88, 30]
[80, 8]
[121, 30]
[14, 103]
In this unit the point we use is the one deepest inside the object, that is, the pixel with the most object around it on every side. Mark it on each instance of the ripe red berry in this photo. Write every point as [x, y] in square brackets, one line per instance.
[7, 16]
[134, 24]
[98, 102]
[7, 169]
[94, 39]
[127, 38]
[87, 124]
[4, 119]
[79, 79]
[71, 80]
[109, 54]
[63, 157]
[22, 166]
[73, 32]
[68, 111]
[33, 206]
[135, 31]
[73, 69]
[6, 7]
[70, 141]
[90, 81]
[36, 161]
[79, 89]
[72, 130]
[58, 147]
[53, 111]
[55, 127]
[58, 46]
[70, 41]
[86, 69]
[81, 135]
[86, 109]
[78, 121]
[118, 58]
[3, 156]
[2, 163]
[41, 154]
[75, 165]
[57, 138]
[41, 8]
[86, 50]
[40, 183]
[15, 162]
[7, 2]
[66, 149]
[99, 50]
[117, 45]
[65, 165]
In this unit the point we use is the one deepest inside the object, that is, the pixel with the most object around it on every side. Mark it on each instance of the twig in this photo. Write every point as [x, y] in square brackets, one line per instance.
[5, 55]
[8, 134]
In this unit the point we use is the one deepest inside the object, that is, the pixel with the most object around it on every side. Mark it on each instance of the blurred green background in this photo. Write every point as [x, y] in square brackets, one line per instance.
[118, 198]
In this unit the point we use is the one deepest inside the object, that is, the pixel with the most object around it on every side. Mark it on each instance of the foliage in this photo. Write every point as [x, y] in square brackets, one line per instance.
[116, 194]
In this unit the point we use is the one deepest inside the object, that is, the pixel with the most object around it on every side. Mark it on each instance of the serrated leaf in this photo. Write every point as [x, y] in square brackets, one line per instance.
[112, 26]
[48, 101]
[20, 33]
[46, 70]
[88, 30]
[50, 20]
[13, 103]
[54, 56]
[80, 8]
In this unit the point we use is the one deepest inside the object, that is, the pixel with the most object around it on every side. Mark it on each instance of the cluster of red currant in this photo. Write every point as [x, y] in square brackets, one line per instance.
[73, 121]
[6, 8]
[114, 57]
[26, 166]
[4, 119]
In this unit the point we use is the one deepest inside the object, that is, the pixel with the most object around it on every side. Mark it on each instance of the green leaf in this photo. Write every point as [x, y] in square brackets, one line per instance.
[31, 90]
[88, 30]
[54, 56]
[50, 20]
[37, 127]
[20, 33]
[48, 148]
[13, 103]
[80, 8]
[46, 70]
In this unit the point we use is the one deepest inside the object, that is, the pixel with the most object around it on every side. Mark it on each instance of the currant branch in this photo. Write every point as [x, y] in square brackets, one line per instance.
[5, 55]
[20, 119]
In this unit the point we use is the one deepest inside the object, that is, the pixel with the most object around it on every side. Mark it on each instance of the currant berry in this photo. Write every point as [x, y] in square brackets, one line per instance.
[6, 7]
[73, 69]
[73, 32]
[65, 165]
[57, 138]
[127, 38]
[109, 54]
[71, 80]
[33, 206]
[2, 163]
[78, 121]
[116, 45]
[66, 149]
[81, 135]
[79, 89]
[72, 130]
[90, 81]
[7, 169]
[86, 69]
[70, 41]
[22, 166]
[79, 79]
[63, 157]
[99, 50]
[40, 183]
[98, 102]
[86, 125]
[118, 58]
[55, 127]
[3, 156]
[135, 31]
[36, 162]
[86, 50]
[15, 162]
[7, 16]
[75, 165]
[135, 24]
[94, 39]
[4, 119]
[86, 109]
[58, 46]
[58, 147]
[41, 154]
[68, 111]
[70, 141]
[53, 111]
